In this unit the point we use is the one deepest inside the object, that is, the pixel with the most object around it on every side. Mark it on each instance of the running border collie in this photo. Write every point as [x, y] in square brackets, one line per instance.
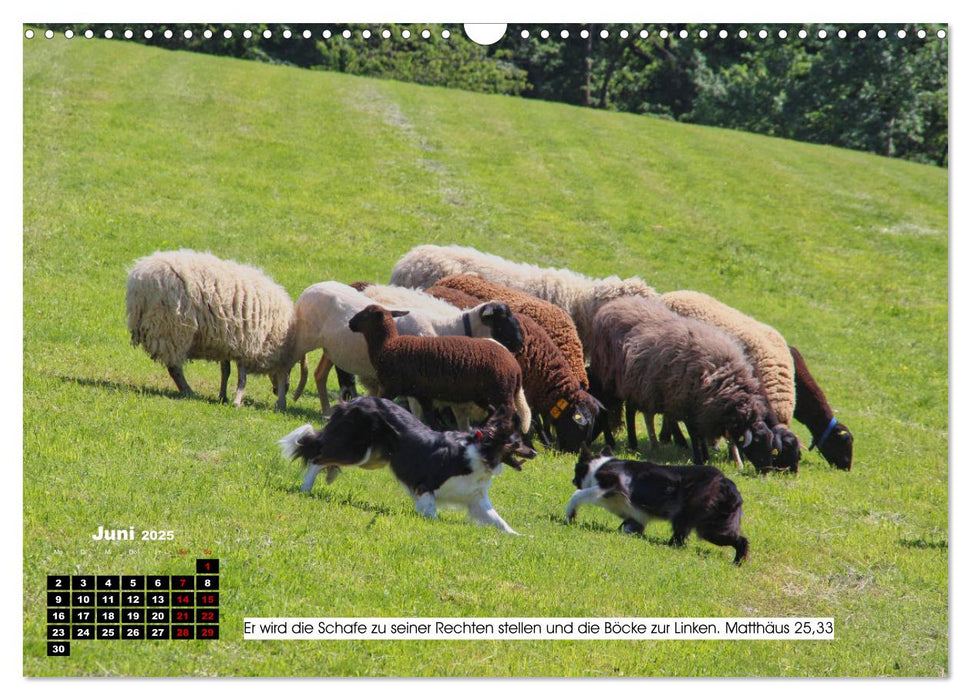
[452, 467]
[692, 497]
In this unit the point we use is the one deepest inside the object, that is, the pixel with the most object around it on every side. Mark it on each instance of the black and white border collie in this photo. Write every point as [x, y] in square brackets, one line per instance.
[435, 467]
[690, 497]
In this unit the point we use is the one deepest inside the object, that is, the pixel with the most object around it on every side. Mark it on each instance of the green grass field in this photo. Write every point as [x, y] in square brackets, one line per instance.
[316, 176]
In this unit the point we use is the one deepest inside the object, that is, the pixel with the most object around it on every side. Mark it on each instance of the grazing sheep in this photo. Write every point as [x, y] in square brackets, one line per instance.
[834, 440]
[390, 296]
[323, 311]
[769, 354]
[554, 320]
[765, 346]
[691, 498]
[578, 295]
[552, 390]
[659, 362]
[449, 368]
[183, 305]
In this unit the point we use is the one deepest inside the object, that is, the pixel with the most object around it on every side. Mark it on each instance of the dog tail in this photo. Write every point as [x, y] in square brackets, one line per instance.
[295, 444]
[522, 410]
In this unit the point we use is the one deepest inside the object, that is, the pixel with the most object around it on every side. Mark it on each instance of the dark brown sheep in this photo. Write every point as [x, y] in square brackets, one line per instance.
[456, 369]
[833, 439]
[554, 320]
[552, 390]
[659, 362]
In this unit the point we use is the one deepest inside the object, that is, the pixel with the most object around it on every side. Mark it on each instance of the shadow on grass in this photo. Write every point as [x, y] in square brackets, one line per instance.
[557, 519]
[345, 499]
[112, 386]
[921, 543]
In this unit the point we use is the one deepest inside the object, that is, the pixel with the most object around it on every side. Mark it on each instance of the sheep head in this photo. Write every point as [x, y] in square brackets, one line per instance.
[575, 423]
[504, 324]
[837, 448]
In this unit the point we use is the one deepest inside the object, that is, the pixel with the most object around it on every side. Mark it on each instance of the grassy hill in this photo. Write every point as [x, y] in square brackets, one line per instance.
[316, 176]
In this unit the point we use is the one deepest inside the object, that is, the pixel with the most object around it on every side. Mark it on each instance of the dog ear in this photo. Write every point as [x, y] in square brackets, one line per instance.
[585, 453]
[606, 452]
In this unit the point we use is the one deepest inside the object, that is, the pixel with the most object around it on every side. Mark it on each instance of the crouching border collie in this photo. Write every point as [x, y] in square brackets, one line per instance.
[690, 497]
[435, 467]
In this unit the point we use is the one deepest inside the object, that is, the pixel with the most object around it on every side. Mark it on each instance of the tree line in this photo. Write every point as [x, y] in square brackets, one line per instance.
[886, 95]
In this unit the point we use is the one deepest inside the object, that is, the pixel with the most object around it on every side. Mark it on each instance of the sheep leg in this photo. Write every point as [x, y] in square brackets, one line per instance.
[542, 426]
[669, 430]
[240, 385]
[224, 368]
[678, 435]
[630, 413]
[320, 378]
[347, 385]
[631, 527]
[699, 449]
[649, 420]
[282, 385]
[428, 413]
[175, 371]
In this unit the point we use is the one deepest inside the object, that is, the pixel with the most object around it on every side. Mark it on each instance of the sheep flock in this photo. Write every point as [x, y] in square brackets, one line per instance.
[497, 332]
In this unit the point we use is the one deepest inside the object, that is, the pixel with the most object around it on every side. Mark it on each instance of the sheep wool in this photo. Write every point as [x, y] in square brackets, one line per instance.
[393, 297]
[551, 387]
[687, 370]
[184, 305]
[551, 318]
[578, 295]
[765, 346]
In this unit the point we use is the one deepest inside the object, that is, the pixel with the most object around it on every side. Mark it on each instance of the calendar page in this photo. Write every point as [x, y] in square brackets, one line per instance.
[492, 350]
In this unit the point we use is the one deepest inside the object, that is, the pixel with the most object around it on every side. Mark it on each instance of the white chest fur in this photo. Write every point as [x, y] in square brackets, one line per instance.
[468, 488]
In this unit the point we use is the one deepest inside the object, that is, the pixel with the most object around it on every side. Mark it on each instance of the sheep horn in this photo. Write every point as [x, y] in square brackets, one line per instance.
[747, 438]
[303, 378]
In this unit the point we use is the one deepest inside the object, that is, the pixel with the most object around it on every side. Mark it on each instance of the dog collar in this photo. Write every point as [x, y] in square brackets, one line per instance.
[558, 408]
[825, 435]
[467, 324]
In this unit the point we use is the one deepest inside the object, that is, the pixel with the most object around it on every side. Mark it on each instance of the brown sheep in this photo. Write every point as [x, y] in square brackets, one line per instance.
[552, 390]
[554, 320]
[456, 369]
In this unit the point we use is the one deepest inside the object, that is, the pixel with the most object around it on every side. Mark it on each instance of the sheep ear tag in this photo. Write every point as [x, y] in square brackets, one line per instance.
[557, 410]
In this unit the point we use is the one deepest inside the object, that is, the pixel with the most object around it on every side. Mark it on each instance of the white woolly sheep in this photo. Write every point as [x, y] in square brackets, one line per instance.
[578, 295]
[183, 305]
[323, 311]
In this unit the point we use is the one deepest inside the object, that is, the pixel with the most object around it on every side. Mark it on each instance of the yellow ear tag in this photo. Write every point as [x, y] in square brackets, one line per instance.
[555, 412]
[562, 404]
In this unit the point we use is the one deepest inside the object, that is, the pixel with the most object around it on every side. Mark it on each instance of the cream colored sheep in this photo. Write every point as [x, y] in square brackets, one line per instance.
[578, 295]
[183, 305]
